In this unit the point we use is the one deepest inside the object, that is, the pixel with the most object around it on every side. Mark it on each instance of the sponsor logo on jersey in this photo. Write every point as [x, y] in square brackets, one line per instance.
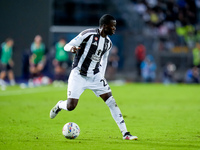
[95, 58]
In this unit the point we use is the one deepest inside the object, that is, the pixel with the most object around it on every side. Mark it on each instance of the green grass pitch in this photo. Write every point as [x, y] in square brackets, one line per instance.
[163, 118]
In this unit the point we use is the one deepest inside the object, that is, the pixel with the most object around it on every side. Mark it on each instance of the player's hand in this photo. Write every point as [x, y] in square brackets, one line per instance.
[74, 49]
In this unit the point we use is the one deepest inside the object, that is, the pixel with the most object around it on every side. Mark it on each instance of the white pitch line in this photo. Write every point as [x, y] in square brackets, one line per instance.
[30, 91]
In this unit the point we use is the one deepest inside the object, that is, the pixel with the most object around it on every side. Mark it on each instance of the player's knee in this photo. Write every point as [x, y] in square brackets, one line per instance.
[70, 107]
[71, 104]
[111, 102]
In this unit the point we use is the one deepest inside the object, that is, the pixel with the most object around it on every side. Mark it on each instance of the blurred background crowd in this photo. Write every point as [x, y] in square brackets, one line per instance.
[156, 40]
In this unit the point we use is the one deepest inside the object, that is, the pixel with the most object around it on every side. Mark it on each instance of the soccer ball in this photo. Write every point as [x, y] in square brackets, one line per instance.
[71, 130]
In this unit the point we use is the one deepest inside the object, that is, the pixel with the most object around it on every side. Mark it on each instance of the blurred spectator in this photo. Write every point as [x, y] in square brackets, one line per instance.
[154, 18]
[151, 3]
[113, 60]
[197, 2]
[37, 59]
[140, 53]
[6, 62]
[196, 55]
[60, 62]
[190, 37]
[198, 34]
[192, 75]
[168, 73]
[148, 69]
[140, 8]
[163, 17]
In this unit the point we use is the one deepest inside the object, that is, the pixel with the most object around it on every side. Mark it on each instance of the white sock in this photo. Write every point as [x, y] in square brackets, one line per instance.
[2, 82]
[116, 114]
[12, 82]
[63, 105]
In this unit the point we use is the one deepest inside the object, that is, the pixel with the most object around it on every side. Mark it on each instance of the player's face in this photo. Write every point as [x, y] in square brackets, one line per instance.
[10, 43]
[110, 28]
[62, 42]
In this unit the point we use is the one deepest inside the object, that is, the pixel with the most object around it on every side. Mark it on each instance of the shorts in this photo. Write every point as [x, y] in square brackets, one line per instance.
[5, 67]
[77, 84]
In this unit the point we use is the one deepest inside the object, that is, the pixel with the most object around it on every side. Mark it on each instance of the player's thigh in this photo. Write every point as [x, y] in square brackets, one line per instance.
[40, 66]
[76, 85]
[32, 68]
[100, 85]
[9, 67]
[3, 67]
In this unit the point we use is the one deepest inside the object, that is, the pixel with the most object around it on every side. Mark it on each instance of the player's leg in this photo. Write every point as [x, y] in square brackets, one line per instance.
[63, 74]
[75, 88]
[33, 71]
[68, 105]
[56, 65]
[2, 82]
[117, 115]
[3, 74]
[115, 111]
[102, 89]
[11, 75]
[57, 72]
[40, 68]
[60, 70]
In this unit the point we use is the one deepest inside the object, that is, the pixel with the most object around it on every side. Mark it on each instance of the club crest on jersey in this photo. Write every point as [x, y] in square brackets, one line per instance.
[96, 38]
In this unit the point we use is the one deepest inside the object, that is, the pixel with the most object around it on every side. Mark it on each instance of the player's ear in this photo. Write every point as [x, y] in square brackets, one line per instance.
[104, 25]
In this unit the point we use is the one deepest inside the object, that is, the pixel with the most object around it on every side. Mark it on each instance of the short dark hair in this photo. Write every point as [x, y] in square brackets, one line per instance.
[105, 19]
[9, 39]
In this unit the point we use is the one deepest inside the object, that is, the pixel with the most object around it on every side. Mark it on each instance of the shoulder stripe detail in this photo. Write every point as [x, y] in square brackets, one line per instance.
[110, 45]
[80, 52]
[89, 31]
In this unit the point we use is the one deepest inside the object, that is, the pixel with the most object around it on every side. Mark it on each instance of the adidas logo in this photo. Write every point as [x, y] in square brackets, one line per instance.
[95, 43]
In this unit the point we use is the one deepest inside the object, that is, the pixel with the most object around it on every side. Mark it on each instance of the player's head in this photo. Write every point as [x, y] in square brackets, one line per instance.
[9, 42]
[38, 39]
[108, 23]
[62, 40]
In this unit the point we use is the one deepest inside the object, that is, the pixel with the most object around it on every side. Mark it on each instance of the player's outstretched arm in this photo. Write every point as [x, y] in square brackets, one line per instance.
[74, 49]
[71, 48]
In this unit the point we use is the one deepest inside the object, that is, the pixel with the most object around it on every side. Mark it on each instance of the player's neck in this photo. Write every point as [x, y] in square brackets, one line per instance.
[102, 33]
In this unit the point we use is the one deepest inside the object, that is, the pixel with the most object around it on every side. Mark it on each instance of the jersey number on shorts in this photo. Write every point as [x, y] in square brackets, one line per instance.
[104, 82]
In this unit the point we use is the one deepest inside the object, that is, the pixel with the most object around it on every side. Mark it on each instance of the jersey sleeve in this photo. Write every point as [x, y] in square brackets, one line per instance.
[77, 40]
[74, 42]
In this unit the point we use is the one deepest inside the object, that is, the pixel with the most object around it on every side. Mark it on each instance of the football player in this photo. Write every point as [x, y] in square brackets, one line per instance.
[91, 48]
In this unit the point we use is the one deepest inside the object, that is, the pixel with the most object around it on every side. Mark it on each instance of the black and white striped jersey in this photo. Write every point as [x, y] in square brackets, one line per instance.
[93, 52]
